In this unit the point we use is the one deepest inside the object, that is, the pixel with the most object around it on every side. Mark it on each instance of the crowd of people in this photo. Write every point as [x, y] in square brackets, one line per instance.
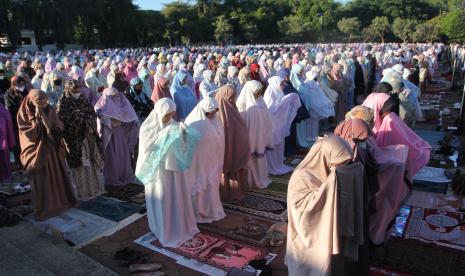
[199, 126]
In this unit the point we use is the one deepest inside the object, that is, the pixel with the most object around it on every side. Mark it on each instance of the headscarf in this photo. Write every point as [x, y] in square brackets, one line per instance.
[170, 144]
[376, 101]
[138, 97]
[244, 75]
[207, 87]
[161, 90]
[353, 131]
[113, 104]
[257, 117]
[296, 76]
[235, 131]
[35, 139]
[335, 72]
[130, 71]
[183, 95]
[383, 87]
[253, 74]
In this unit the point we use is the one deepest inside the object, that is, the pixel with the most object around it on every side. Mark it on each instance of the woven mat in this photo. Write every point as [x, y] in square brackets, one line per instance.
[241, 227]
[260, 203]
[440, 227]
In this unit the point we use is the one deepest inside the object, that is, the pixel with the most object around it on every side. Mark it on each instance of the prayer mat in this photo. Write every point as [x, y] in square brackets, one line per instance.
[437, 226]
[210, 249]
[279, 183]
[435, 201]
[109, 208]
[432, 137]
[430, 179]
[418, 258]
[132, 192]
[75, 226]
[242, 227]
[264, 204]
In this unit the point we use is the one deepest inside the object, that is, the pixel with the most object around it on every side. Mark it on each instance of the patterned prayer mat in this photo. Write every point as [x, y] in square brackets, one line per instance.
[435, 201]
[264, 204]
[418, 258]
[440, 227]
[210, 249]
[109, 208]
[132, 192]
[242, 227]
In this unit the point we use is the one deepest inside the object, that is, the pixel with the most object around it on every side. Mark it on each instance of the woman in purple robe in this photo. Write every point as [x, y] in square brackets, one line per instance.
[118, 126]
[7, 142]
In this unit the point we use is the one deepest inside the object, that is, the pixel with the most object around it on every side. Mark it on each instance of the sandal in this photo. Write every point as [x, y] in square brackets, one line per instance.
[144, 267]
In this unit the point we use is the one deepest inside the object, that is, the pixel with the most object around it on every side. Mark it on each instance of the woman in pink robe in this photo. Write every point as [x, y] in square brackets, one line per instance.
[401, 154]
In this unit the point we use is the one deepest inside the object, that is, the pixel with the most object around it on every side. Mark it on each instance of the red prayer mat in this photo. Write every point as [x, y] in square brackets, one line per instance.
[437, 226]
[216, 251]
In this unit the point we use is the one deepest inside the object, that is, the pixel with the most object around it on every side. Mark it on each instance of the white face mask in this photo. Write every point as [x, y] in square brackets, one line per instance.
[20, 88]
[76, 95]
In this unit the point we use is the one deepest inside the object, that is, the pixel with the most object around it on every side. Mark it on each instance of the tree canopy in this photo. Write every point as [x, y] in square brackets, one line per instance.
[116, 23]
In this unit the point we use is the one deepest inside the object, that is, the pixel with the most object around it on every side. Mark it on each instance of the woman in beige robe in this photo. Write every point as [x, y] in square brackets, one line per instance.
[312, 208]
[43, 156]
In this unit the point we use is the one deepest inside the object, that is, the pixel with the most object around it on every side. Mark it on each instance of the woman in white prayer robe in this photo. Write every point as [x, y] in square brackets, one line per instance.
[207, 164]
[283, 109]
[208, 87]
[165, 151]
[254, 111]
[315, 102]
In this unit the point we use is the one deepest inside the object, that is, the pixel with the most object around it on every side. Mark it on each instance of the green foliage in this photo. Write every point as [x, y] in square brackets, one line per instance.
[453, 25]
[223, 29]
[404, 28]
[426, 32]
[350, 26]
[116, 23]
[378, 28]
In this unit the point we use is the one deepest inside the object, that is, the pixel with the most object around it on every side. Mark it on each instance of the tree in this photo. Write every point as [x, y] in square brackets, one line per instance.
[404, 28]
[350, 27]
[379, 27]
[309, 17]
[223, 29]
[426, 32]
[453, 25]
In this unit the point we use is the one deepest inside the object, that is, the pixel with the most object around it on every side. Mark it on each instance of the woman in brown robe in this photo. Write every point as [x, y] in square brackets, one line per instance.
[314, 231]
[43, 156]
[338, 83]
[237, 150]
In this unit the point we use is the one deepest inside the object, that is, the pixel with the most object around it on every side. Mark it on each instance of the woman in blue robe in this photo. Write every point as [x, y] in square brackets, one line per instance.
[183, 95]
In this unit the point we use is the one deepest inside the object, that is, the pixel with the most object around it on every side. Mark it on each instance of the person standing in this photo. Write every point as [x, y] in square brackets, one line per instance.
[81, 140]
[43, 156]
